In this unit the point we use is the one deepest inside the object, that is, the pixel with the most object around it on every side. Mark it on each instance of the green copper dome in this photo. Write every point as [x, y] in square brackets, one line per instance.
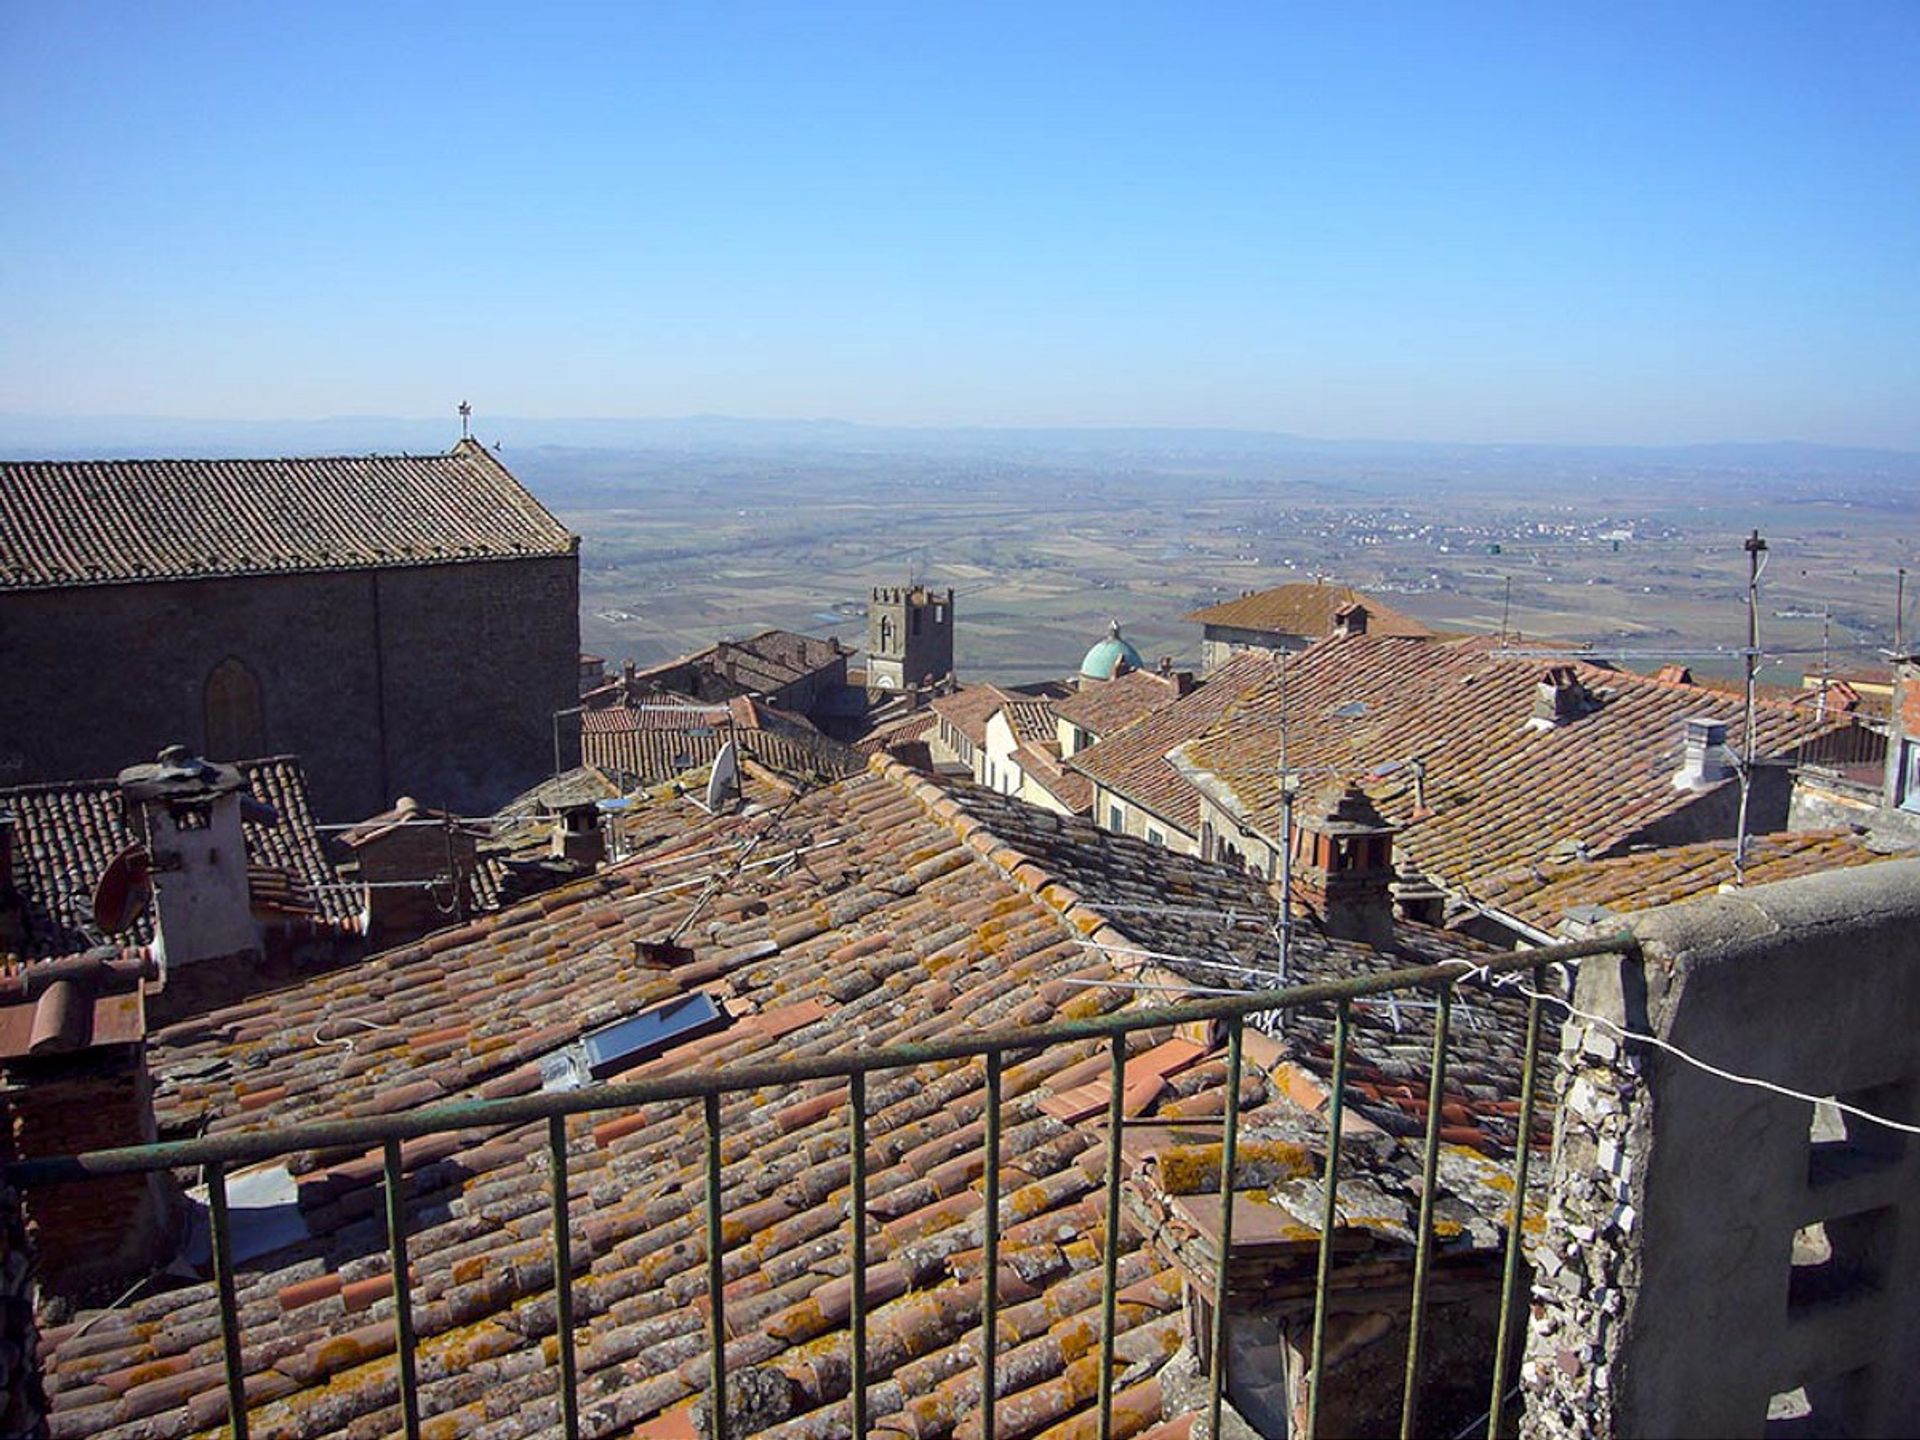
[1112, 657]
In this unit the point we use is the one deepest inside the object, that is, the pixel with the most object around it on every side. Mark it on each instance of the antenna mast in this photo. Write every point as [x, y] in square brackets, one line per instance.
[1756, 549]
[1286, 832]
[1899, 610]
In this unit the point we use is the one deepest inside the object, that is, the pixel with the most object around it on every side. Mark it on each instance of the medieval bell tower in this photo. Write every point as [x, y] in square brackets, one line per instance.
[909, 636]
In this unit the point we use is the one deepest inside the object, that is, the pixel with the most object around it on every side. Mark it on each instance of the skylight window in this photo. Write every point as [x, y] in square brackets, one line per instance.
[612, 1049]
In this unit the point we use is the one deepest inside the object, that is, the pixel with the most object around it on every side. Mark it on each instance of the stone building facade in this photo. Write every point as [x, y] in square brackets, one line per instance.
[404, 624]
[909, 636]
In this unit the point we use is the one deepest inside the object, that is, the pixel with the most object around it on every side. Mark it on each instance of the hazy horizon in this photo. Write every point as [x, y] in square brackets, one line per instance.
[1455, 223]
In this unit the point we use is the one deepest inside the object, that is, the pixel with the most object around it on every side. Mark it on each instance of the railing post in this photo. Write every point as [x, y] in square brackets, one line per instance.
[1517, 1217]
[563, 1277]
[857, 1214]
[1423, 1239]
[1329, 1215]
[402, 1291]
[990, 1256]
[222, 1228]
[1229, 1163]
[1110, 1275]
[716, 1273]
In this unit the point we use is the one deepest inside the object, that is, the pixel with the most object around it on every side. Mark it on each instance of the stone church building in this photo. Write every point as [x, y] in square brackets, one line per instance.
[404, 624]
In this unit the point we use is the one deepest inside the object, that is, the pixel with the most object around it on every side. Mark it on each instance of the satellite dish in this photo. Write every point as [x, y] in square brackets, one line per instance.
[123, 891]
[724, 782]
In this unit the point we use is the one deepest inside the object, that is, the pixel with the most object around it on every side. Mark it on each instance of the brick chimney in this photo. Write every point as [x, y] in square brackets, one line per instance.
[1705, 759]
[1343, 865]
[190, 811]
[73, 1046]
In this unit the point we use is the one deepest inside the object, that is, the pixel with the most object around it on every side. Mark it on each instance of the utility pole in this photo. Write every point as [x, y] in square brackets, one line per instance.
[1286, 832]
[1826, 662]
[1756, 549]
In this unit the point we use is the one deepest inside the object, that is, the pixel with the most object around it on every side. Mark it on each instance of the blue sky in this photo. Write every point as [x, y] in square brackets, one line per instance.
[1622, 223]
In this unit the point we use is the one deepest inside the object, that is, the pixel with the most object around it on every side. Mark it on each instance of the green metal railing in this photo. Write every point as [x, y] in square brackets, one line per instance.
[217, 1156]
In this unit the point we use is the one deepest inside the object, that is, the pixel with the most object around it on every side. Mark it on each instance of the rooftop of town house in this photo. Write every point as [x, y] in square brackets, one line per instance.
[877, 910]
[760, 664]
[1306, 609]
[652, 744]
[1544, 894]
[1500, 785]
[66, 834]
[1105, 707]
[1134, 762]
[66, 523]
[891, 736]
[968, 708]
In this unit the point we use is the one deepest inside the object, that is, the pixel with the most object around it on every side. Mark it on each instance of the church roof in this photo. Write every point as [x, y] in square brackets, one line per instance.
[67, 523]
[1111, 657]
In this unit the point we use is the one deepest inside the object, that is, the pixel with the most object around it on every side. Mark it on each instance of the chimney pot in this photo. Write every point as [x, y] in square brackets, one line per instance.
[1705, 760]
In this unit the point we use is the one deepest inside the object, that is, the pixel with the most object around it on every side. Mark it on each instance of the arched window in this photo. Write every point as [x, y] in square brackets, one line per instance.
[234, 729]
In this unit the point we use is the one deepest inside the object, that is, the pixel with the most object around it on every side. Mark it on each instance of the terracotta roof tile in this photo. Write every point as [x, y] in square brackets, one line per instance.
[103, 522]
[67, 833]
[1499, 790]
[1134, 761]
[894, 927]
[1541, 895]
[1307, 610]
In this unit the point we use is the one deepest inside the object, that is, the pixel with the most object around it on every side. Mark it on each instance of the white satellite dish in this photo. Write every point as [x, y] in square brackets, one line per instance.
[724, 783]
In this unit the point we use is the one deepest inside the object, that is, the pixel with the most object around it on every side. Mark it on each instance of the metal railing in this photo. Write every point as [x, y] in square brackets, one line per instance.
[215, 1157]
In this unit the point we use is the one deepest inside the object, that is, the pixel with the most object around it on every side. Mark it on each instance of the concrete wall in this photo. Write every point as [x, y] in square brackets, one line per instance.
[1715, 1251]
[438, 681]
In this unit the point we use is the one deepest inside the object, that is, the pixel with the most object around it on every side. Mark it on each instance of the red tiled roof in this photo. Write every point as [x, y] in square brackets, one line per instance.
[105, 522]
[908, 730]
[1500, 791]
[1104, 707]
[1541, 895]
[877, 912]
[968, 708]
[67, 833]
[1134, 761]
[652, 744]
[1307, 610]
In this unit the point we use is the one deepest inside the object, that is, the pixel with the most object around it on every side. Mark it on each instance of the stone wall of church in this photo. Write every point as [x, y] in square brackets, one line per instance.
[438, 681]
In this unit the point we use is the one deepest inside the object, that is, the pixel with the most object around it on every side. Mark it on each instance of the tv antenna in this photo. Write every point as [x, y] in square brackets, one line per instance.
[1756, 549]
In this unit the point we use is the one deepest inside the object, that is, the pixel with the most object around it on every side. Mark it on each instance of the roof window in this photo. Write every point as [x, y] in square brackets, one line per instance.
[612, 1049]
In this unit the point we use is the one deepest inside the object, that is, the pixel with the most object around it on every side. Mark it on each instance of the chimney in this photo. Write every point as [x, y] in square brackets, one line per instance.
[1350, 619]
[73, 1046]
[1343, 866]
[1560, 697]
[190, 810]
[1705, 760]
[577, 836]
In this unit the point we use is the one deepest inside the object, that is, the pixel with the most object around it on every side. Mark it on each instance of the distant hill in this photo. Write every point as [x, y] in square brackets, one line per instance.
[1261, 452]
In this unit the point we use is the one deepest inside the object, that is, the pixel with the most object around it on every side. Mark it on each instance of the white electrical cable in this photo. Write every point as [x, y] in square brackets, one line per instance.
[1512, 982]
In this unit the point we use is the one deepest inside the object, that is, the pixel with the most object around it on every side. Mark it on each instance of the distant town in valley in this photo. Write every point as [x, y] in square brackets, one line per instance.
[876, 791]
